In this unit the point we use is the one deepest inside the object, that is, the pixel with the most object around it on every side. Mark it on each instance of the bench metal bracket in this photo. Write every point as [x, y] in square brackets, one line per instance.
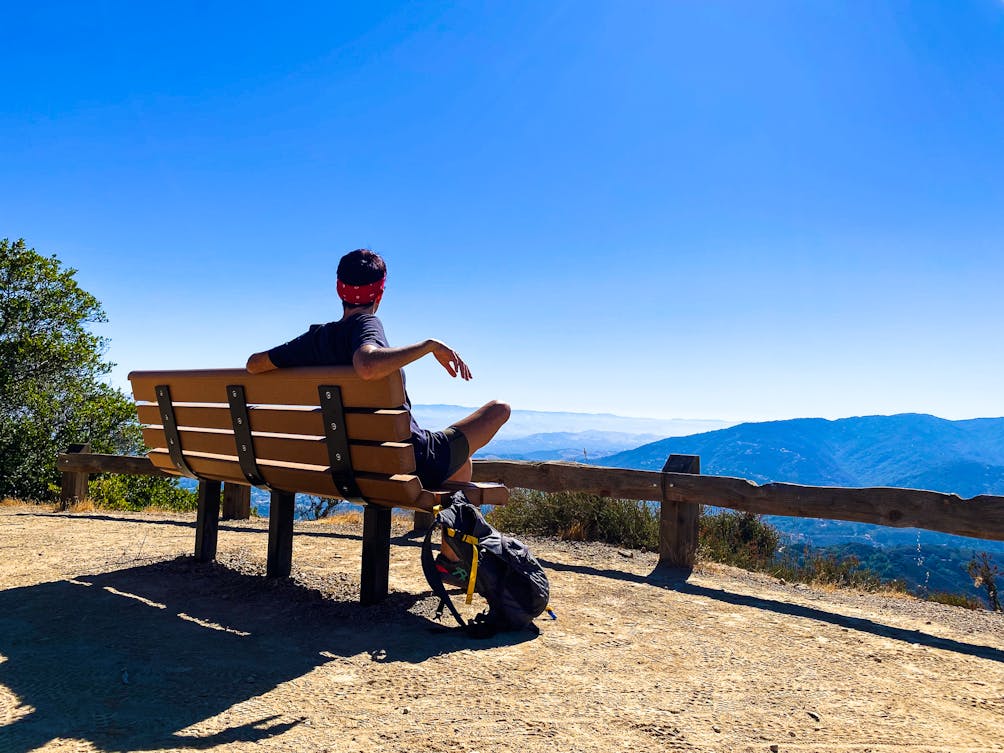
[339, 457]
[171, 429]
[242, 435]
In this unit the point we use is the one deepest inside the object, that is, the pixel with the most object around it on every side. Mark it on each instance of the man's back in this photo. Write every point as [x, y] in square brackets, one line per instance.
[331, 344]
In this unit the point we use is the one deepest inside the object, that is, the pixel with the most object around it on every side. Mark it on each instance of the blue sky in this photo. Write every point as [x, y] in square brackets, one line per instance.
[738, 210]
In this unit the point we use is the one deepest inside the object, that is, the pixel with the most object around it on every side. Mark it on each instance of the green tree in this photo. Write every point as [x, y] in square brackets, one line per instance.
[51, 369]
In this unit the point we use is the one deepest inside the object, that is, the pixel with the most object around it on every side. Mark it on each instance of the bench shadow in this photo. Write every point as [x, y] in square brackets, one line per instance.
[407, 538]
[677, 580]
[130, 659]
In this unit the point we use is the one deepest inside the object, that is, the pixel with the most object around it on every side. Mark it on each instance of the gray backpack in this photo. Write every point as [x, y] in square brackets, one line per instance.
[501, 568]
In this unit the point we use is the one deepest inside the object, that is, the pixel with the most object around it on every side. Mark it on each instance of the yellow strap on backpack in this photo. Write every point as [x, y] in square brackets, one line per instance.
[473, 578]
[466, 538]
[473, 541]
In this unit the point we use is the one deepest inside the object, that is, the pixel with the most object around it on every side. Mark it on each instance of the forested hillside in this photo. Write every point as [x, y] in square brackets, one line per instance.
[910, 450]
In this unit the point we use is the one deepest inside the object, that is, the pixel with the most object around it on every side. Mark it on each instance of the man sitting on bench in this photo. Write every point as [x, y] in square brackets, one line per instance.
[358, 339]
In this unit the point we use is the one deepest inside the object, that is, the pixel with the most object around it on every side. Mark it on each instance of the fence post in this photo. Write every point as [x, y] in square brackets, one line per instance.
[678, 521]
[236, 501]
[74, 486]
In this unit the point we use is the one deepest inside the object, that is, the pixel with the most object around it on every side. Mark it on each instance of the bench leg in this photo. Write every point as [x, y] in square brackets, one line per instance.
[280, 534]
[376, 554]
[208, 521]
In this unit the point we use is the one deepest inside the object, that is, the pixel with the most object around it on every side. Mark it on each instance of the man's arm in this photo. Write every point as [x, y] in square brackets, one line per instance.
[260, 362]
[374, 362]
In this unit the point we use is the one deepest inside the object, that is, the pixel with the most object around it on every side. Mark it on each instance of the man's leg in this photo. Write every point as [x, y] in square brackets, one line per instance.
[479, 428]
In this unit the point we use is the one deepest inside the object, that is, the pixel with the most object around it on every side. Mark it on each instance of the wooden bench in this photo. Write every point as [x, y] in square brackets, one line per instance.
[321, 431]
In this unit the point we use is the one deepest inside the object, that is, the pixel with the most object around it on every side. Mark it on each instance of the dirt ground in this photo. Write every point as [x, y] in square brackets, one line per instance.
[113, 639]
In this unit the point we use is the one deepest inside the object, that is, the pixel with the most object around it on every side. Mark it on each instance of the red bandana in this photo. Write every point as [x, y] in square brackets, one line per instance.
[360, 294]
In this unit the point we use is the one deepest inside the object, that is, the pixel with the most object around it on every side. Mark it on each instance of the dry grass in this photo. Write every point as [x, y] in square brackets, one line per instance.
[78, 505]
[348, 517]
[888, 590]
[92, 505]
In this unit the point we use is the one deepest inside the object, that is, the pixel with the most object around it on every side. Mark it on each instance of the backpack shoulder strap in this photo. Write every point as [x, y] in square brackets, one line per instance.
[432, 575]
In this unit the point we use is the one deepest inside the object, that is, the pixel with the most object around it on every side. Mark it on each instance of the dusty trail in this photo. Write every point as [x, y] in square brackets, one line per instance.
[113, 639]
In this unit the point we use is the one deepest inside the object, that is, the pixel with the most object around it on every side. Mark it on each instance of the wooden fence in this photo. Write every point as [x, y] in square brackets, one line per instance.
[77, 464]
[679, 488]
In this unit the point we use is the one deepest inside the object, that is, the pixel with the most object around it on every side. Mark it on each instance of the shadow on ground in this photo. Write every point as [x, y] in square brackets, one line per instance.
[677, 580]
[409, 538]
[131, 658]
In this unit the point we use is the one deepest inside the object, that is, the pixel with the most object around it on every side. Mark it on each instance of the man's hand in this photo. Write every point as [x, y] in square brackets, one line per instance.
[451, 360]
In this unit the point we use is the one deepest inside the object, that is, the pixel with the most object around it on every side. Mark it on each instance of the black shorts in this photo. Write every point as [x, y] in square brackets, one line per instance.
[448, 451]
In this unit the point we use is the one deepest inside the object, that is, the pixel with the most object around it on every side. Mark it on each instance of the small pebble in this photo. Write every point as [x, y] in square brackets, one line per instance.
[716, 728]
[774, 748]
[813, 715]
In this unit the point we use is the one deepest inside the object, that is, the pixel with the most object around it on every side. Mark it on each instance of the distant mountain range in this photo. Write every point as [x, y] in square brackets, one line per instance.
[582, 437]
[582, 446]
[908, 450]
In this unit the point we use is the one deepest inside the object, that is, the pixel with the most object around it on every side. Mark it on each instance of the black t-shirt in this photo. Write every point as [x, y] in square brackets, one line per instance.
[331, 344]
[334, 344]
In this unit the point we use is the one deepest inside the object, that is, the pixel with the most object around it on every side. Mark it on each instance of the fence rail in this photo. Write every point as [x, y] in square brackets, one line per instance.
[78, 464]
[679, 488]
[979, 517]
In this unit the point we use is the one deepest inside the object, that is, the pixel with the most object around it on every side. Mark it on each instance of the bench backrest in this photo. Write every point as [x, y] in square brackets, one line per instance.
[290, 444]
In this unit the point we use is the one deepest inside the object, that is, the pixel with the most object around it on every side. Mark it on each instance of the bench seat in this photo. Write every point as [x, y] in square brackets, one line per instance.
[193, 423]
[287, 427]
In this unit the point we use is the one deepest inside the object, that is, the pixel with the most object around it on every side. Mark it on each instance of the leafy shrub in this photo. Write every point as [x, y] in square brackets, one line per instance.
[738, 538]
[825, 568]
[955, 600]
[579, 517]
[117, 492]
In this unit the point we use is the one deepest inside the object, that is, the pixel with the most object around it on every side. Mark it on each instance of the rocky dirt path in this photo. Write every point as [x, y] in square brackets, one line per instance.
[113, 639]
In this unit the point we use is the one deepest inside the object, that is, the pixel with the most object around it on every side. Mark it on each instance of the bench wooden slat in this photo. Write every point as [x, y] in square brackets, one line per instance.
[399, 489]
[387, 458]
[279, 387]
[480, 493]
[383, 425]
